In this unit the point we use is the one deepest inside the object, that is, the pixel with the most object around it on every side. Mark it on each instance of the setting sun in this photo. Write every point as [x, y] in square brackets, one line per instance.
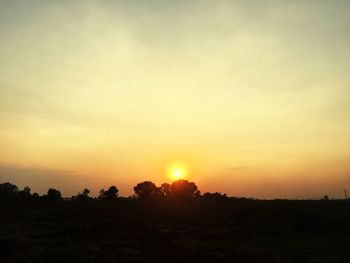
[177, 171]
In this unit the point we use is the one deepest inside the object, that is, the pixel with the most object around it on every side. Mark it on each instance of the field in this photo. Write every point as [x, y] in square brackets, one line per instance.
[203, 229]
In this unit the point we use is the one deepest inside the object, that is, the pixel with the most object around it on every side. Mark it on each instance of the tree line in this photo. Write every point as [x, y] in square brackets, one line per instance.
[147, 190]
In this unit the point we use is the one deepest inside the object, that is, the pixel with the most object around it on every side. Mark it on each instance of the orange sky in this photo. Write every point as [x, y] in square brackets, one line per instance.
[253, 98]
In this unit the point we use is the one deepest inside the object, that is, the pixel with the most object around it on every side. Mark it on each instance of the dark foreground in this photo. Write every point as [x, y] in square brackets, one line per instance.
[205, 229]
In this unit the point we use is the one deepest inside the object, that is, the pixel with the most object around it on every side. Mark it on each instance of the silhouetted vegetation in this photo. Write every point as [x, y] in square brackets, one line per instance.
[53, 195]
[169, 223]
[110, 194]
[146, 190]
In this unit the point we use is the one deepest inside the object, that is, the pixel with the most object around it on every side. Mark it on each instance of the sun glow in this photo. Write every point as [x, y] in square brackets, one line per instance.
[177, 171]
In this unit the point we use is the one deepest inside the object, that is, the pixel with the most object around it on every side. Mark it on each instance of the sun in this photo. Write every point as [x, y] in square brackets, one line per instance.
[177, 171]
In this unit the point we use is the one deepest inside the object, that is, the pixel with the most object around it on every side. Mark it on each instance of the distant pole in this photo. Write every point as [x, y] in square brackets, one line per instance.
[346, 196]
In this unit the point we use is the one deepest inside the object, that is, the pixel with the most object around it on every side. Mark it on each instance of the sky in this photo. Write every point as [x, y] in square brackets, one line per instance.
[252, 97]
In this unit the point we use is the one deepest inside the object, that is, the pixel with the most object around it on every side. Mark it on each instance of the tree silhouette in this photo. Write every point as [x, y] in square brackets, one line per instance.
[25, 193]
[165, 189]
[8, 191]
[83, 196]
[146, 189]
[86, 192]
[102, 194]
[8, 187]
[53, 195]
[26, 189]
[214, 196]
[184, 189]
[110, 194]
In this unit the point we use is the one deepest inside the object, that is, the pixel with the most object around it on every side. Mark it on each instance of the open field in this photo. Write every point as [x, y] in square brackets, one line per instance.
[200, 230]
